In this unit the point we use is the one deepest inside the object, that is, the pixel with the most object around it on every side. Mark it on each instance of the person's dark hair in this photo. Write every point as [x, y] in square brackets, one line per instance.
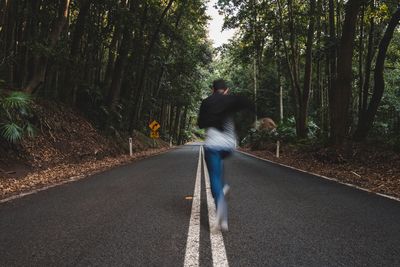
[219, 84]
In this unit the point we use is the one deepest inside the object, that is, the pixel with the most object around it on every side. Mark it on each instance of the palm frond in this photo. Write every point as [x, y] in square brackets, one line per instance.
[16, 100]
[11, 132]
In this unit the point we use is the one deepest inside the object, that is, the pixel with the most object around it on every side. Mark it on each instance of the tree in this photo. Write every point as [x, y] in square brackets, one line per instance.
[342, 88]
[110, 59]
[366, 120]
[41, 61]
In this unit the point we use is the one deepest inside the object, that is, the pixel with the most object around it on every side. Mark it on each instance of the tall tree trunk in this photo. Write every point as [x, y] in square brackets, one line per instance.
[342, 90]
[182, 126]
[367, 121]
[285, 47]
[79, 27]
[303, 102]
[291, 59]
[119, 69]
[168, 119]
[318, 95]
[177, 122]
[71, 76]
[332, 58]
[9, 38]
[171, 120]
[136, 112]
[112, 52]
[360, 60]
[368, 66]
[41, 61]
[294, 62]
[30, 35]
[169, 53]
[3, 8]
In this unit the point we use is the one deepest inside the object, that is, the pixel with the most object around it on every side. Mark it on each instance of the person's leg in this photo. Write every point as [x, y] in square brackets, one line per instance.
[214, 165]
[225, 186]
[222, 212]
[213, 161]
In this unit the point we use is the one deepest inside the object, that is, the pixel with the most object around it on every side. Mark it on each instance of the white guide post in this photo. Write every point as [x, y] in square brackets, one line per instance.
[130, 147]
[277, 148]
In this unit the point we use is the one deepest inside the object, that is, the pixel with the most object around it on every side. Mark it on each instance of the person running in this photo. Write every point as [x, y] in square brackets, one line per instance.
[216, 117]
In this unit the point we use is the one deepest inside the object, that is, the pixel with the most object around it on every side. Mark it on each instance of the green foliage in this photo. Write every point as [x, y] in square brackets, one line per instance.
[285, 132]
[259, 139]
[313, 130]
[16, 100]
[380, 12]
[274, 35]
[15, 115]
[168, 62]
[121, 63]
[11, 132]
[197, 133]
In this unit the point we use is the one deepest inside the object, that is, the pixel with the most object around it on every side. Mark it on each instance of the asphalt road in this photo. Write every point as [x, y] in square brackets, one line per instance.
[138, 215]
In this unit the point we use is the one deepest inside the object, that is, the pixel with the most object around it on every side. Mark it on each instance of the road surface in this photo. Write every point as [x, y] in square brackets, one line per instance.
[142, 215]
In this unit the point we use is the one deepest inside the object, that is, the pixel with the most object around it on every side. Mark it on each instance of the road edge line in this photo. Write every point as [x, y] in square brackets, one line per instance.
[76, 178]
[321, 176]
[218, 250]
[192, 251]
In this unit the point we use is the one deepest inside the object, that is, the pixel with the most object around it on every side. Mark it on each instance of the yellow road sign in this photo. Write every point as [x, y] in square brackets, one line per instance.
[154, 134]
[154, 126]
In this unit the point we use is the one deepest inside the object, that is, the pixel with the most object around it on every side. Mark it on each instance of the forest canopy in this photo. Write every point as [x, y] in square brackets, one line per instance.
[329, 69]
[122, 63]
[333, 64]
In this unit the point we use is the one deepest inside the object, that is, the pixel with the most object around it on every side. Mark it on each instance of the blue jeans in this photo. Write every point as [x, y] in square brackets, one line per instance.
[214, 159]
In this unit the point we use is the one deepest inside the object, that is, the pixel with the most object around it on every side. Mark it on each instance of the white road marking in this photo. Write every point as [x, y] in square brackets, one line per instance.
[322, 176]
[217, 241]
[193, 239]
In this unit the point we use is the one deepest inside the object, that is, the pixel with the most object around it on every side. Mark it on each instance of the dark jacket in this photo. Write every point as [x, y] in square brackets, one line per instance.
[215, 109]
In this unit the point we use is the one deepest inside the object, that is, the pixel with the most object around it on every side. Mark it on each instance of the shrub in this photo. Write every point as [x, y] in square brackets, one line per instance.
[15, 114]
[285, 132]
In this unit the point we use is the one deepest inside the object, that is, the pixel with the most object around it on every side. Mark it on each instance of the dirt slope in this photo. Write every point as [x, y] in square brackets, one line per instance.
[66, 144]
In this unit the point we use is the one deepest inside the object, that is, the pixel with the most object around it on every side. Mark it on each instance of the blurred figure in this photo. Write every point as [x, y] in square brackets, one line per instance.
[216, 116]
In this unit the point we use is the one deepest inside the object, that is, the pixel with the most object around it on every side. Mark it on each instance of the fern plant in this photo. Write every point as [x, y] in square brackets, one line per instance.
[14, 116]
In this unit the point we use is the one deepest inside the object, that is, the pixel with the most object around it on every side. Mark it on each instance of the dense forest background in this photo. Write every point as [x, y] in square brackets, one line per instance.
[121, 63]
[326, 70]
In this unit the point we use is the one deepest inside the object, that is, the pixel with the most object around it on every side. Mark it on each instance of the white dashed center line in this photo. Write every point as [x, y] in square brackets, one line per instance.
[217, 241]
[218, 251]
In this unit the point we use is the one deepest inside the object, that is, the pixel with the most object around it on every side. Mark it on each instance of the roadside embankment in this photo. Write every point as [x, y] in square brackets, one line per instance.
[66, 146]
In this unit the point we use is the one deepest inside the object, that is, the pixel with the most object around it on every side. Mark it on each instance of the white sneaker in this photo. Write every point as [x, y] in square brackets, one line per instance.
[220, 225]
[222, 215]
[226, 189]
[224, 226]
